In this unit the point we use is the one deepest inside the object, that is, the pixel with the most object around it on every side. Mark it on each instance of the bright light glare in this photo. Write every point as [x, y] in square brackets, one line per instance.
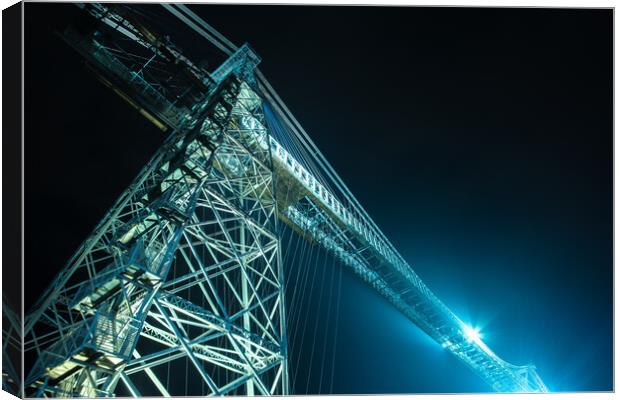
[473, 334]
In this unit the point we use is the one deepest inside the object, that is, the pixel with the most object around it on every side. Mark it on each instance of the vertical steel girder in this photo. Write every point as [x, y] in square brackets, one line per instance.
[184, 272]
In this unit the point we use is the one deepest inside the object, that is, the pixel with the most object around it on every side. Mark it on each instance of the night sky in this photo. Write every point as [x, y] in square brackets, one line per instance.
[479, 140]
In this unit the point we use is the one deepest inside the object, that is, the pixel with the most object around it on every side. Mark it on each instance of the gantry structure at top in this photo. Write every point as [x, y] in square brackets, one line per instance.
[186, 268]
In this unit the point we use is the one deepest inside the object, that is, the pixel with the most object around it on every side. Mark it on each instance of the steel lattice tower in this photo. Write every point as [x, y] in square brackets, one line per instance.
[185, 267]
[207, 196]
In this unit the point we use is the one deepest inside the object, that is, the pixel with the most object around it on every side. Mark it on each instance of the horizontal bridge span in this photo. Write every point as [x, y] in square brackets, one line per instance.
[315, 212]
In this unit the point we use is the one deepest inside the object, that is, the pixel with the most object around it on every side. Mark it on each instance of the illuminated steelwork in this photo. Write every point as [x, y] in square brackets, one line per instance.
[11, 350]
[186, 267]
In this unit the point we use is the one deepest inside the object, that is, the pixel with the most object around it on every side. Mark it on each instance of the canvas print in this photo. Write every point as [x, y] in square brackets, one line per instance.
[259, 200]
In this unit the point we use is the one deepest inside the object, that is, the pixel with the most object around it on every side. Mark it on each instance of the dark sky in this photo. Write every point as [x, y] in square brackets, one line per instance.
[479, 140]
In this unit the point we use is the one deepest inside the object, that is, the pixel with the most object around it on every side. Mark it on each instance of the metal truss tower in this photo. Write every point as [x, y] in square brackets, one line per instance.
[183, 273]
[183, 277]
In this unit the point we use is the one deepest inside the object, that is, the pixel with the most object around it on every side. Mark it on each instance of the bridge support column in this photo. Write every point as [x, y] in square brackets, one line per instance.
[183, 274]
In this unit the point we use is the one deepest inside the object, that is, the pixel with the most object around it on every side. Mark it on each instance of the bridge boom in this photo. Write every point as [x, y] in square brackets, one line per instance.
[322, 218]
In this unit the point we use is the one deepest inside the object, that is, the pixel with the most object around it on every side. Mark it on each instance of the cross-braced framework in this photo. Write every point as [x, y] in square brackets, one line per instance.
[184, 273]
[11, 350]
